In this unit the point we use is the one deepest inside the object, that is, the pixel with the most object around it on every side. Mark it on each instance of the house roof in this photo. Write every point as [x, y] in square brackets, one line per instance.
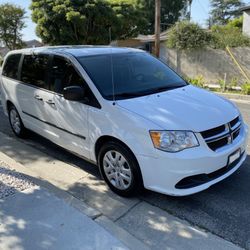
[28, 44]
[151, 38]
[245, 8]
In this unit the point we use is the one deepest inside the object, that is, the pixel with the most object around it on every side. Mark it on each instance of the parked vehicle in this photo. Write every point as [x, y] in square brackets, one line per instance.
[127, 112]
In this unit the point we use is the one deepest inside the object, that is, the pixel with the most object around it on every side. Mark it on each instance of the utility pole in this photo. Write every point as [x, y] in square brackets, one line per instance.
[157, 27]
[189, 10]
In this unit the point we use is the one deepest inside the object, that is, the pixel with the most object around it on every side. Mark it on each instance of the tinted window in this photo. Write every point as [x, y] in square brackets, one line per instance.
[35, 70]
[11, 66]
[63, 74]
[134, 74]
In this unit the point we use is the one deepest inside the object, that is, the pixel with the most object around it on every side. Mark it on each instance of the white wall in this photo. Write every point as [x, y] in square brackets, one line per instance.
[246, 22]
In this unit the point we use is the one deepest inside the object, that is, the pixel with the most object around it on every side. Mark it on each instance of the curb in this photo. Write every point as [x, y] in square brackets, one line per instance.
[126, 238]
[69, 199]
[119, 233]
[236, 97]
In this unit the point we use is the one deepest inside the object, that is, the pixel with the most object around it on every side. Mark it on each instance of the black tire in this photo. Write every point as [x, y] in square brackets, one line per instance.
[136, 183]
[22, 132]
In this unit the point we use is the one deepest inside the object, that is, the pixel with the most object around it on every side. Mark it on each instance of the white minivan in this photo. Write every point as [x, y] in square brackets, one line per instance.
[128, 113]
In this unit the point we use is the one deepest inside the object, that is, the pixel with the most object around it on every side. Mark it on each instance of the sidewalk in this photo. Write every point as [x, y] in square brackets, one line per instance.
[35, 218]
[71, 206]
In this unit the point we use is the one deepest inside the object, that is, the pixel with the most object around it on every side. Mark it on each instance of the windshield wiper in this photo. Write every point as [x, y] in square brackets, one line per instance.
[146, 92]
[165, 88]
[124, 95]
[129, 94]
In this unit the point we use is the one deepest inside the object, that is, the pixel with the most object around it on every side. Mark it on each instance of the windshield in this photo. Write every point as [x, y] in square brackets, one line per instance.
[134, 74]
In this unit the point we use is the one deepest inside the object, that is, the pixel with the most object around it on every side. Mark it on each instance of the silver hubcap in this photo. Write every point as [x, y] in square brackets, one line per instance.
[117, 170]
[15, 121]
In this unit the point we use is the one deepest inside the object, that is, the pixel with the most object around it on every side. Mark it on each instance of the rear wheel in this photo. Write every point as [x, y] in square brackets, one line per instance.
[120, 169]
[16, 122]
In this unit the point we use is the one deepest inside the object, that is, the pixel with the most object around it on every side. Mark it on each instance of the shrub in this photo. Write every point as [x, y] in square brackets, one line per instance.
[222, 84]
[197, 81]
[246, 88]
[228, 35]
[235, 23]
[186, 35]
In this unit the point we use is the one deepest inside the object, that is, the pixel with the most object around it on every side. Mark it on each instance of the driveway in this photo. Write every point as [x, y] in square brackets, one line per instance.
[223, 209]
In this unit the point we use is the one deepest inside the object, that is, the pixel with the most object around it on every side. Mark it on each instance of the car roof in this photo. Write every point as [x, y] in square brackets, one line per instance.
[77, 50]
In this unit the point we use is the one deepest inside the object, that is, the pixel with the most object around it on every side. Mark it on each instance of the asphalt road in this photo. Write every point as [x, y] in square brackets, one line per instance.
[224, 209]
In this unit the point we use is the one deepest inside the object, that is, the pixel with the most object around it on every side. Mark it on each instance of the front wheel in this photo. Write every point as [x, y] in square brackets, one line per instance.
[16, 122]
[120, 169]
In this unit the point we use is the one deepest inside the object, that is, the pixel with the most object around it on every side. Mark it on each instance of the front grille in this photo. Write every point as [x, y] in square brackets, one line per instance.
[234, 122]
[212, 132]
[223, 135]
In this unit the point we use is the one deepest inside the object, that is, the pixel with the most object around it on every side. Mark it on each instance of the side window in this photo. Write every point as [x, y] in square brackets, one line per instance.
[11, 66]
[35, 70]
[63, 74]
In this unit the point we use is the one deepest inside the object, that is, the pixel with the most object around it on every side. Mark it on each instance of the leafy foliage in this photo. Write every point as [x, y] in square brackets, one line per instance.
[197, 81]
[85, 21]
[246, 88]
[228, 35]
[186, 35]
[224, 10]
[236, 23]
[11, 24]
[170, 13]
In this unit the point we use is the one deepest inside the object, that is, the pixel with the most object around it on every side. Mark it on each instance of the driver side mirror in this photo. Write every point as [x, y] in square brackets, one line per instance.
[74, 93]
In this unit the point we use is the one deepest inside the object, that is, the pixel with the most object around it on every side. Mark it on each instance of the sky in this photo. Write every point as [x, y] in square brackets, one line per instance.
[200, 11]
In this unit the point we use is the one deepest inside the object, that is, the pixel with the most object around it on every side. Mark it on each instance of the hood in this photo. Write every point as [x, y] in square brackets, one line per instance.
[187, 108]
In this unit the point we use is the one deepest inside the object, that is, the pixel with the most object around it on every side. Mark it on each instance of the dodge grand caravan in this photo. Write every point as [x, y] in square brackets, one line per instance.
[128, 113]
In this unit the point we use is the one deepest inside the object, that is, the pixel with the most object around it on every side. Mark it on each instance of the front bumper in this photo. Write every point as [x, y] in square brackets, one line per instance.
[163, 172]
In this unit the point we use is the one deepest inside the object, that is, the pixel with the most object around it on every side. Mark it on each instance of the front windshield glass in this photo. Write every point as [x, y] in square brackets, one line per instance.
[134, 74]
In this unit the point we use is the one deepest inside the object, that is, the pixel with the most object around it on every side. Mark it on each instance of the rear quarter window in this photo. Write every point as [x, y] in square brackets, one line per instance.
[10, 68]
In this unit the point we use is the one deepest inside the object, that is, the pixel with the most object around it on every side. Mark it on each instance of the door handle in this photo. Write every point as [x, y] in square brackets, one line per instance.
[38, 97]
[50, 102]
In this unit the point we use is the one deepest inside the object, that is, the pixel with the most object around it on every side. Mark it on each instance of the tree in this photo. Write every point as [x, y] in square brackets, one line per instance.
[224, 10]
[11, 24]
[186, 35]
[85, 21]
[170, 13]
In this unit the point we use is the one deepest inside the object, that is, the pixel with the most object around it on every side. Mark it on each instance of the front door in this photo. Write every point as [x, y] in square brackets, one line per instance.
[68, 119]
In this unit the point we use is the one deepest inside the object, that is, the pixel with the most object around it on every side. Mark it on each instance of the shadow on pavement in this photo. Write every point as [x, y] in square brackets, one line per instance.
[223, 209]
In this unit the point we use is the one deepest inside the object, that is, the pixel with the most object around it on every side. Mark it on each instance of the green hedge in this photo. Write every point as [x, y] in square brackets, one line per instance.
[246, 88]
[186, 35]
[223, 36]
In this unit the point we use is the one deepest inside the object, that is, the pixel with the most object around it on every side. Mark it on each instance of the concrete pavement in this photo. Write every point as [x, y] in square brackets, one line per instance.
[37, 219]
[133, 223]
[46, 217]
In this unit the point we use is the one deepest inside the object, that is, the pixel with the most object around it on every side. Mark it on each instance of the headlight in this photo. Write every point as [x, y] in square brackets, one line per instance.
[173, 141]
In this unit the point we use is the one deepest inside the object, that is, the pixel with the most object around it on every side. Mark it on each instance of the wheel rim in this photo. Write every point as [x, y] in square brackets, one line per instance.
[15, 121]
[117, 170]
